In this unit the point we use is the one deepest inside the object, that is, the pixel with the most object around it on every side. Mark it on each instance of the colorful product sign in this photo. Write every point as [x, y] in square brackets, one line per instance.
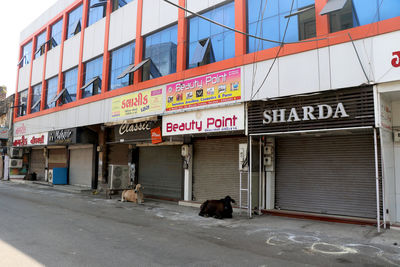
[204, 121]
[142, 102]
[205, 90]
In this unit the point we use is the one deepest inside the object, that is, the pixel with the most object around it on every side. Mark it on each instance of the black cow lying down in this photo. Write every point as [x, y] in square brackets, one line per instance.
[217, 208]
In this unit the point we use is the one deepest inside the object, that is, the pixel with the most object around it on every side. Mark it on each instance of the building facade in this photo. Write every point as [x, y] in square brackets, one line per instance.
[309, 98]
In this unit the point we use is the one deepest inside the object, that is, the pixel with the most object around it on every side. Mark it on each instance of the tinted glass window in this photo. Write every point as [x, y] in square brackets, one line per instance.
[22, 102]
[74, 17]
[51, 91]
[70, 83]
[56, 33]
[26, 54]
[40, 40]
[93, 69]
[161, 48]
[36, 96]
[222, 39]
[96, 12]
[269, 22]
[120, 59]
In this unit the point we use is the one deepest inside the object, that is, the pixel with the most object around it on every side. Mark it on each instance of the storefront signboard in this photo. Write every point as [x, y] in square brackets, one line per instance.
[31, 140]
[138, 103]
[334, 109]
[214, 88]
[229, 118]
[62, 137]
[3, 133]
[135, 132]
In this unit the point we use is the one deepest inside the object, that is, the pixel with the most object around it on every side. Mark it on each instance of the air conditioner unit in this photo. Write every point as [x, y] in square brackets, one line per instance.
[16, 152]
[16, 163]
[118, 176]
[50, 176]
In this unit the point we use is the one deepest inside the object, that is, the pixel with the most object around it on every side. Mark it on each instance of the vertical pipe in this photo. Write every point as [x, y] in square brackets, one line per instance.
[240, 191]
[260, 177]
[383, 183]
[378, 219]
[249, 182]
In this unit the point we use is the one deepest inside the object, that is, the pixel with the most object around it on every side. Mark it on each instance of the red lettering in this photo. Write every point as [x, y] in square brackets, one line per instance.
[123, 104]
[169, 127]
[396, 59]
[210, 121]
[175, 127]
[145, 100]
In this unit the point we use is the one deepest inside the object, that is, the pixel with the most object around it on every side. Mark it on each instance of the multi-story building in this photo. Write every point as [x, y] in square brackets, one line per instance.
[311, 93]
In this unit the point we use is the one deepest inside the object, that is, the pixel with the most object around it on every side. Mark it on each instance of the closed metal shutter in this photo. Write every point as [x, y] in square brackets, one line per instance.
[38, 163]
[161, 172]
[58, 158]
[81, 166]
[118, 154]
[329, 175]
[216, 168]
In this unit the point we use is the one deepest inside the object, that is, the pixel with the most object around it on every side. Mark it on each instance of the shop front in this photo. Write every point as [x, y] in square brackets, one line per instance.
[151, 159]
[73, 151]
[317, 153]
[212, 158]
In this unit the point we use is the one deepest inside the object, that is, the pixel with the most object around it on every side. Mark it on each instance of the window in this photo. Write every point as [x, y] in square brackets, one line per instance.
[345, 14]
[70, 83]
[221, 43]
[26, 54]
[119, 3]
[97, 11]
[51, 92]
[120, 59]
[74, 22]
[161, 47]
[22, 102]
[40, 44]
[56, 34]
[270, 22]
[93, 75]
[36, 97]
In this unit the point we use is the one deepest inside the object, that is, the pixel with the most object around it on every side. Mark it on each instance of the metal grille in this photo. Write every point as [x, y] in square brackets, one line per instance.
[161, 172]
[329, 175]
[216, 168]
[80, 168]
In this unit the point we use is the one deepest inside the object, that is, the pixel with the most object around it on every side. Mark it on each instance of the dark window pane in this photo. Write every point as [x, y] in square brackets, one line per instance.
[342, 19]
[26, 54]
[120, 59]
[74, 17]
[56, 32]
[51, 91]
[70, 83]
[93, 69]
[22, 102]
[40, 40]
[36, 96]
[97, 11]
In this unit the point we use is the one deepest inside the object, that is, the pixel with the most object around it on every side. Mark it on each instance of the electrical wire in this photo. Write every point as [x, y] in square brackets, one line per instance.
[237, 31]
[277, 54]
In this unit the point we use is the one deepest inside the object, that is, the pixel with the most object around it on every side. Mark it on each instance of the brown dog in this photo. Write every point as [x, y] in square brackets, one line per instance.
[133, 195]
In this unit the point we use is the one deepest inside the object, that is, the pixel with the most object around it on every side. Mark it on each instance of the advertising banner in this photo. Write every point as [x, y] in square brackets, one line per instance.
[31, 140]
[214, 88]
[205, 121]
[137, 103]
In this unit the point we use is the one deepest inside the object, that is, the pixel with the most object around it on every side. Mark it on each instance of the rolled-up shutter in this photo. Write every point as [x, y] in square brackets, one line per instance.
[329, 175]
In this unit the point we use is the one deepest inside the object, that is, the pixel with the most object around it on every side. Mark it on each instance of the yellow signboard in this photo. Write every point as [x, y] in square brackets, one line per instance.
[142, 102]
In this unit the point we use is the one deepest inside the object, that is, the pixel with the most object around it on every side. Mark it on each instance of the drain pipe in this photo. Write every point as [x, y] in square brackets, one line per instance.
[378, 219]
[249, 192]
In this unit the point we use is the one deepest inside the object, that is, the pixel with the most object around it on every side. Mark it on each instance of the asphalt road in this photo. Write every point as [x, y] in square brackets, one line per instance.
[40, 226]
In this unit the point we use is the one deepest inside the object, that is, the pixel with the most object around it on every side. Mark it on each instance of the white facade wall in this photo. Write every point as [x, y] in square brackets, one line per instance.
[71, 52]
[23, 77]
[158, 14]
[53, 62]
[123, 25]
[37, 70]
[94, 40]
[199, 6]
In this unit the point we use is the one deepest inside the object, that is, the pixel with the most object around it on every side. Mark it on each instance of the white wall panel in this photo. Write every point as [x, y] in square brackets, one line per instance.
[396, 113]
[94, 40]
[157, 14]
[45, 17]
[37, 70]
[198, 6]
[271, 86]
[324, 69]
[71, 52]
[345, 67]
[298, 73]
[23, 78]
[384, 46]
[53, 62]
[123, 25]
